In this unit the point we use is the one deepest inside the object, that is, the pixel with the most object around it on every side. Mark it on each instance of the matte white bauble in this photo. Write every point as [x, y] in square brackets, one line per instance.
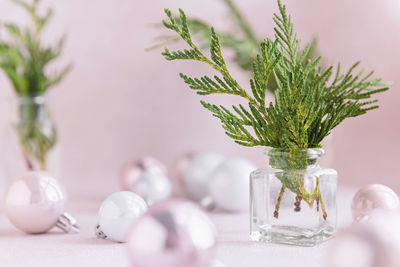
[117, 214]
[371, 197]
[197, 174]
[229, 184]
[153, 187]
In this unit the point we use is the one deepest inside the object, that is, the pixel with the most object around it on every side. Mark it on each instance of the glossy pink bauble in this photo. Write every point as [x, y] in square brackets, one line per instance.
[34, 202]
[132, 170]
[173, 233]
[370, 197]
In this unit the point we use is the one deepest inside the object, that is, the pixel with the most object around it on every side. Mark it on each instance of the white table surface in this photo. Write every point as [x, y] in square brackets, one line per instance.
[56, 249]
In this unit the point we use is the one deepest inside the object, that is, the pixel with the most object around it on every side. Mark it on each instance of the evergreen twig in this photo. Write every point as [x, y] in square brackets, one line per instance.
[310, 101]
[307, 106]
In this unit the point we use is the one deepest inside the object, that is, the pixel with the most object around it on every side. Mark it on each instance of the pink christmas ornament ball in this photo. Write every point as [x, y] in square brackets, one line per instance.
[34, 202]
[133, 169]
[372, 243]
[371, 197]
[172, 233]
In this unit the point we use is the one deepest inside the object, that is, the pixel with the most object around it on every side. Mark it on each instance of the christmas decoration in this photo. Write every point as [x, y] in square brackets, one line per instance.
[197, 174]
[370, 197]
[153, 187]
[132, 170]
[117, 213]
[172, 233]
[229, 184]
[310, 102]
[372, 243]
[35, 203]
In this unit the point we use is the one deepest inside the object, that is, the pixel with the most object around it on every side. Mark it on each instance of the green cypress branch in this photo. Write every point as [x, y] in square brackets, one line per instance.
[307, 105]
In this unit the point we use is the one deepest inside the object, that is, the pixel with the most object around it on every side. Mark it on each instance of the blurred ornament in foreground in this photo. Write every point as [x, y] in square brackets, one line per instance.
[373, 243]
[370, 197]
[196, 176]
[117, 213]
[229, 184]
[35, 203]
[172, 233]
[132, 170]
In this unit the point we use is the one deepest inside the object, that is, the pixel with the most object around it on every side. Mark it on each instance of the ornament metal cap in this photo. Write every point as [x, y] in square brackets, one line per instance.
[67, 223]
[208, 203]
[99, 233]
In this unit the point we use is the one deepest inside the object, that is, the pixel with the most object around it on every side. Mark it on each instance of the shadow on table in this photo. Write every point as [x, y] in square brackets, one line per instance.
[15, 233]
[93, 241]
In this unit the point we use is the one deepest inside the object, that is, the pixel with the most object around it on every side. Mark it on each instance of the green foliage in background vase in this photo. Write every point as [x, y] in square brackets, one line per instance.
[309, 102]
[25, 59]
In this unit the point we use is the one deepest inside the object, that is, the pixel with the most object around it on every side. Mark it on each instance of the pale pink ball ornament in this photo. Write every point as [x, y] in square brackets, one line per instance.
[132, 170]
[373, 243]
[173, 233]
[371, 197]
[35, 203]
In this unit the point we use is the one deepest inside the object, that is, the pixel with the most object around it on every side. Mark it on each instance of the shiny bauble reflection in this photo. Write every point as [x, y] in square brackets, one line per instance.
[371, 197]
[172, 233]
[229, 184]
[34, 202]
[152, 186]
[133, 169]
[117, 213]
[196, 176]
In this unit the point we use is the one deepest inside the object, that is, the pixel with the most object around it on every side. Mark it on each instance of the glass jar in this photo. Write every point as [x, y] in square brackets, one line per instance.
[293, 201]
[31, 138]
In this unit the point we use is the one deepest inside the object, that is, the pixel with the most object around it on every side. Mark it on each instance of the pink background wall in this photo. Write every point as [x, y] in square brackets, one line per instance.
[120, 102]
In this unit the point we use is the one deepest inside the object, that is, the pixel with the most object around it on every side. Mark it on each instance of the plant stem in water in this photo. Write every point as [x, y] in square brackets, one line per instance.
[278, 202]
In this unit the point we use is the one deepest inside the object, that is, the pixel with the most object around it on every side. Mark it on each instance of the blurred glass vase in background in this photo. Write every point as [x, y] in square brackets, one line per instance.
[293, 200]
[31, 139]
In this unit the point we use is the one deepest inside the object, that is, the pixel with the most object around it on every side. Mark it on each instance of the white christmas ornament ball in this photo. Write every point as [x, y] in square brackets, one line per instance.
[153, 187]
[229, 184]
[117, 213]
[371, 197]
[197, 174]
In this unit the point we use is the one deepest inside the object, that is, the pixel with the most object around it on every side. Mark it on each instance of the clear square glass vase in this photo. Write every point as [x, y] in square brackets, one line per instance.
[293, 201]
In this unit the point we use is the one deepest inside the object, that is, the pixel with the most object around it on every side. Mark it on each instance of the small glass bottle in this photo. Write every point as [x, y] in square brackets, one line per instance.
[31, 139]
[293, 201]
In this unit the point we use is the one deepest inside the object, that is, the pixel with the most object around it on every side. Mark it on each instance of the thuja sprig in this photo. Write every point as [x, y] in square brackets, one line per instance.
[243, 42]
[309, 101]
[25, 59]
[307, 105]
